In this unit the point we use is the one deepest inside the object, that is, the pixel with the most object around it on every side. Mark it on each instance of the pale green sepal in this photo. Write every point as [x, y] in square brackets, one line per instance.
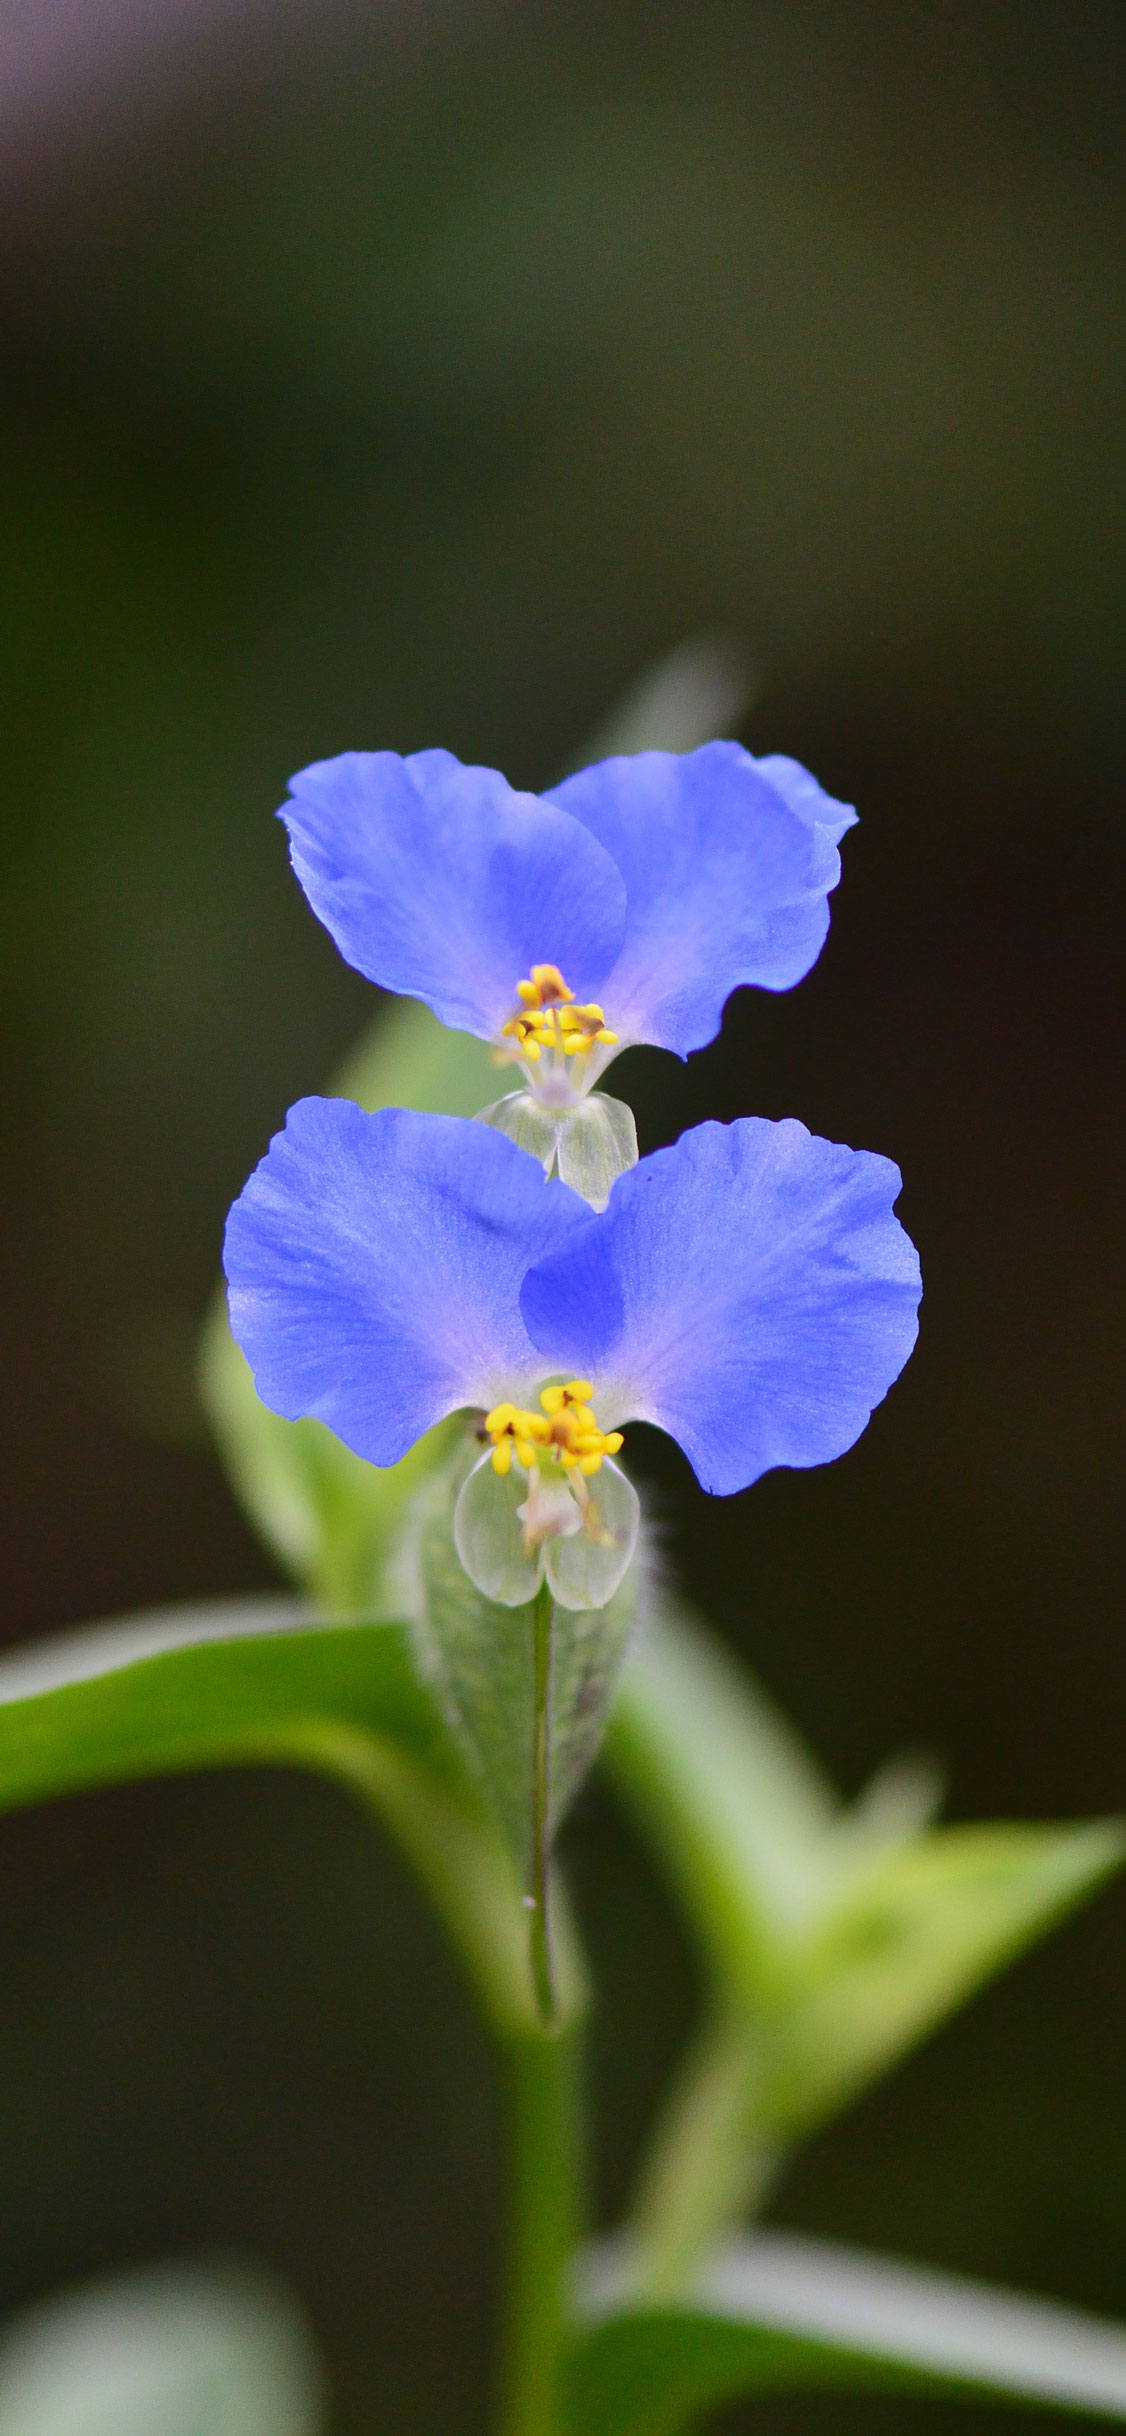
[585, 1568]
[588, 1144]
[478, 1657]
[489, 1535]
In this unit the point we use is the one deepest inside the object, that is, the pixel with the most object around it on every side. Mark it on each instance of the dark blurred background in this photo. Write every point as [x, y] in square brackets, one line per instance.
[394, 375]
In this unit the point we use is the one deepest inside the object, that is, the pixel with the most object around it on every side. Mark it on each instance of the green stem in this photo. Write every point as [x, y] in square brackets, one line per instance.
[539, 1892]
[710, 2165]
[543, 2222]
[475, 1889]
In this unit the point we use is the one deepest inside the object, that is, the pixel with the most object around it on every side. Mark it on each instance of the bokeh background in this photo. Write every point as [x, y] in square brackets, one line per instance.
[392, 375]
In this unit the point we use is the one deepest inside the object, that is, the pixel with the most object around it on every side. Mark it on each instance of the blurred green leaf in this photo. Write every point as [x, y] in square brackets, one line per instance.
[725, 1789]
[257, 1681]
[407, 1059]
[174, 2351]
[326, 1515]
[197, 1687]
[780, 2313]
[836, 1937]
[702, 688]
[924, 1928]
[843, 1934]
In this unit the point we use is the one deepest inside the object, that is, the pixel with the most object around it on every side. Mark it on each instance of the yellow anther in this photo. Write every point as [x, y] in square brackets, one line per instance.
[549, 985]
[515, 1432]
[576, 1391]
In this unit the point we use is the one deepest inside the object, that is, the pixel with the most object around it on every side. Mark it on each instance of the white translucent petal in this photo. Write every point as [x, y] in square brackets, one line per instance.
[597, 1143]
[585, 1570]
[489, 1535]
[526, 1122]
[589, 1143]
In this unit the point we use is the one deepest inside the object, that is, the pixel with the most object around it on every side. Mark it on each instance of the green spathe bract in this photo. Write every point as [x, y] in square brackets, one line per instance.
[479, 1658]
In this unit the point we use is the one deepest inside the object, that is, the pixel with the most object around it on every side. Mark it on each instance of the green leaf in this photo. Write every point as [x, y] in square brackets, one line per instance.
[260, 1681]
[781, 2312]
[197, 1687]
[328, 1516]
[835, 1937]
[923, 1928]
[168, 2352]
[844, 1935]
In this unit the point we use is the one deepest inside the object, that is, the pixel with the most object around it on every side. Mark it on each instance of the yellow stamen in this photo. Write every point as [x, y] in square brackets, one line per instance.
[547, 1018]
[565, 1432]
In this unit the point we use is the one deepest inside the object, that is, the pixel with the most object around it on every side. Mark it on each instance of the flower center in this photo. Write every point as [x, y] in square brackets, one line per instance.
[548, 1018]
[565, 1432]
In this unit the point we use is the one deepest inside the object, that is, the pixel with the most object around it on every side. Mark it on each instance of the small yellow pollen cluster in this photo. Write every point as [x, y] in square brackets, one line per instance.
[548, 1018]
[564, 1432]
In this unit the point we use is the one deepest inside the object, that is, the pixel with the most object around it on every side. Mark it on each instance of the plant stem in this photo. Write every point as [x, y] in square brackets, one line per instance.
[539, 1891]
[541, 2070]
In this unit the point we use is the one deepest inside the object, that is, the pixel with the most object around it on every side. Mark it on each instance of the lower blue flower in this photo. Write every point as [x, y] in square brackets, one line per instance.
[749, 1291]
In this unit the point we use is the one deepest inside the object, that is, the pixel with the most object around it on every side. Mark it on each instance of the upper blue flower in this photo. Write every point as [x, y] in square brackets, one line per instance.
[624, 905]
[749, 1290]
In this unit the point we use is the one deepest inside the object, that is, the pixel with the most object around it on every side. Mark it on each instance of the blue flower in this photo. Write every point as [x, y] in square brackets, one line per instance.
[625, 905]
[749, 1291]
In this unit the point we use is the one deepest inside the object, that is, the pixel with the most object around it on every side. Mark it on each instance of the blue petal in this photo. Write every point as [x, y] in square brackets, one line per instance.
[749, 1291]
[375, 1263]
[443, 883]
[727, 862]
